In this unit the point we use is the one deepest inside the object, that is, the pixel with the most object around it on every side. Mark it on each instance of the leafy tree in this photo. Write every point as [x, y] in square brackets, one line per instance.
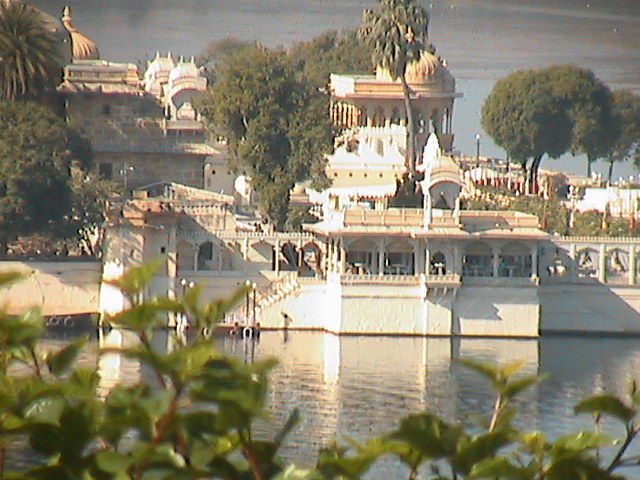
[29, 56]
[331, 52]
[276, 125]
[524, 117]
[396, 31]
[626, 107]
[588, 102]
[215, 53]
[193, 414]
[38, 152]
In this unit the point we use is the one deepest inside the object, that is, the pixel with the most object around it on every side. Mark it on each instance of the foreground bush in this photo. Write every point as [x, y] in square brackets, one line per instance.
[194, 419]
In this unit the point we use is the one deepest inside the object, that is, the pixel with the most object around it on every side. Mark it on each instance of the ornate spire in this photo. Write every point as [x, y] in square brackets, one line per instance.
[83, 48]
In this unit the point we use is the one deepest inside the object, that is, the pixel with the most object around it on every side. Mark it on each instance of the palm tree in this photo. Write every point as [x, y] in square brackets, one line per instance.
[29, 56]
[397, 32]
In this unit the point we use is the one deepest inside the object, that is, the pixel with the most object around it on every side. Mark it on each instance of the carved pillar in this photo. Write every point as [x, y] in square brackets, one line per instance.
[495, 260]
[632, 265]
[602, 263]
[276, 260]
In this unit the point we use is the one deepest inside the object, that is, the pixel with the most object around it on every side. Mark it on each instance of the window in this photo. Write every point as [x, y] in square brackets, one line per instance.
[106, 171]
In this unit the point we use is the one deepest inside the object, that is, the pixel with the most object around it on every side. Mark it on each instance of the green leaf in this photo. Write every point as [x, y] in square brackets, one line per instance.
[292, 420]
[488, 371]
[514, 387]
[474, 450]
[7, 278]
[581, 442]
[136, 279]
[501, 468]
[113, 462]
[428, 434]
[60, 361]
[291, 472]
[606, 405]
[348, 467]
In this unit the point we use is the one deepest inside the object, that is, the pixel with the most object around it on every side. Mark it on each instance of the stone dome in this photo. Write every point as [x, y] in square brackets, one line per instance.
[82, 48]
[184, 70]
[419, 71]
[424, 68]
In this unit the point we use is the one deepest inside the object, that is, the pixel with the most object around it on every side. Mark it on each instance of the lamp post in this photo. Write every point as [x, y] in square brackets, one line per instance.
[125, 168]
[477, 150]
[182, 322]
[253, 303]
[246, 300]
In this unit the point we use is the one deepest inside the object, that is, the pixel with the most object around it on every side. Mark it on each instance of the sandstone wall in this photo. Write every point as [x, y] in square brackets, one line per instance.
[58, 288]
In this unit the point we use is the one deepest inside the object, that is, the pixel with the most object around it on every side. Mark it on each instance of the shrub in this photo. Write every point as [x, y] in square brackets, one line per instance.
[194, 418]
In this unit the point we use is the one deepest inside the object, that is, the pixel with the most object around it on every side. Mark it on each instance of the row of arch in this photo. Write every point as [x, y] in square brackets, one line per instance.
[347, 115]
[289, 256]
[479, 259]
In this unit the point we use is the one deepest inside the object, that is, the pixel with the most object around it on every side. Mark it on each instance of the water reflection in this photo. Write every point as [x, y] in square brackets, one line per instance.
[361, 386]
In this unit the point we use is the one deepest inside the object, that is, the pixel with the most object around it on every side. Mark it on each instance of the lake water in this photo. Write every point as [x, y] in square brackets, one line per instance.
[361, 386]
[482, 40]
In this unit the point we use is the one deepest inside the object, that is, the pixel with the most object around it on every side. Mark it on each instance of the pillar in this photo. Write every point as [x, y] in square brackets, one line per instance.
[427, 259]
[381, 257]
[342, 256]
[196, 250]
[534, 262]
[417, 259]
[495, 258]
[572, 256]
[276, 259]
[632, 265]
[602, 263]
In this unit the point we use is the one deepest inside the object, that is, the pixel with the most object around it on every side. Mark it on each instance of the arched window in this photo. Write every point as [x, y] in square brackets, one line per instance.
[362, 257]
[438, 264]
[205, 255]
[477, 261]
[399, 258]
[514, 261]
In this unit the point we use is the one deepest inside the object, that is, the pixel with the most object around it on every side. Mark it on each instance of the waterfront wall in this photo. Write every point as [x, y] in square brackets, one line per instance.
[58, 288]
[590, 308]
[395, 308]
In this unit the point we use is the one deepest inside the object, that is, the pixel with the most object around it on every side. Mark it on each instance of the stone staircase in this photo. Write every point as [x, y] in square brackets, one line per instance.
[264, 298]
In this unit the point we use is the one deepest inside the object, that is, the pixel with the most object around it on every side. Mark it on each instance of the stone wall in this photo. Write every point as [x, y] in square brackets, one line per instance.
[142, 169]
[58, 288]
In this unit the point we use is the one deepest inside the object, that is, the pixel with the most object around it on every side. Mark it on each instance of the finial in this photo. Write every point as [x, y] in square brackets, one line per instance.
[66, 18]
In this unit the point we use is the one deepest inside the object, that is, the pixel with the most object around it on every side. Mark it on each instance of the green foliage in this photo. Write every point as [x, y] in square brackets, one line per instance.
[276, 125]
[331, 52]
[589, 104]
[532, 113]
[396, 33]
[554, 215]
[193, 416]
[523, 116]
[43, 188]
[626, 107]
[30, 60]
